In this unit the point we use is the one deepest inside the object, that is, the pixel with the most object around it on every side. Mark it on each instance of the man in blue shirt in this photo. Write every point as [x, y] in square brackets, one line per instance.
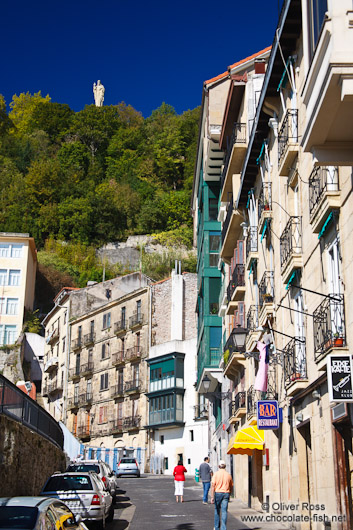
[205, 475]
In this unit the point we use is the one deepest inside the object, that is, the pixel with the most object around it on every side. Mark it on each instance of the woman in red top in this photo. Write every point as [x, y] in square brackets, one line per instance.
[179, 479]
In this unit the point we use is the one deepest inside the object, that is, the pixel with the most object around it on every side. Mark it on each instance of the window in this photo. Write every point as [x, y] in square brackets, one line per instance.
[138, 310]
[161, 439]
[12, 306]
[214, 244]
[2, 306]
[103, 414]
[105, 350]
[138, 341]
[8, 334]
[123, 316]
[64, 344]
[91, 327]
[191, 435]
[14, 277]
[123, 346]
[104, 381]
[65, 316]
[4, 250]
[136, 373]
[316, 17]
[16, 251]
[3, 277]
[106, 320]
[89, 387]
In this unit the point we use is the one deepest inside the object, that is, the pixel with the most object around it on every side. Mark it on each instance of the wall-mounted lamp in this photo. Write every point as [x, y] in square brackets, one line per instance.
[316, 394]
[206, 381]
[299, 417]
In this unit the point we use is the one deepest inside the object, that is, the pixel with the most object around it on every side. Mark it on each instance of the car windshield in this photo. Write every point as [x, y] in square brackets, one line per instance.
[84, 468]
[68, 482]
[127, 461]
[18, 517]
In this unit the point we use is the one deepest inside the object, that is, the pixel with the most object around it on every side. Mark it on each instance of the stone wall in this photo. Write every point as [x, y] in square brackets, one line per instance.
[26, 459]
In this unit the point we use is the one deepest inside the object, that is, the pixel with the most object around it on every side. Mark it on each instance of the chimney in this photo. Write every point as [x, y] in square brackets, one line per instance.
[176, 328]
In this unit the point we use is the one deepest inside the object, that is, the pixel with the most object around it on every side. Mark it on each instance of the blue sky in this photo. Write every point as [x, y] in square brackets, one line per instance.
[143, 52]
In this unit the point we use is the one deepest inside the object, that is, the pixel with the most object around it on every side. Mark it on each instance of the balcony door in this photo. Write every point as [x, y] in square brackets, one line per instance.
[299, 326]
[334, 279]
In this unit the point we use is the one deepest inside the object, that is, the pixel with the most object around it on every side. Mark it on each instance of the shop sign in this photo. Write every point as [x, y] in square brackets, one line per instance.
[339, 377]
[268, 414]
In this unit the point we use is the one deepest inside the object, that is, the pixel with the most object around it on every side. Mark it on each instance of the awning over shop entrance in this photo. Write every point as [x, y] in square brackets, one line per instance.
[245, 440]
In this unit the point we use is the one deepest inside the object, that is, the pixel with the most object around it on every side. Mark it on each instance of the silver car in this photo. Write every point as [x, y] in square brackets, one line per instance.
[84, 493]
[36, 513]
[128, 466]
[101, 468]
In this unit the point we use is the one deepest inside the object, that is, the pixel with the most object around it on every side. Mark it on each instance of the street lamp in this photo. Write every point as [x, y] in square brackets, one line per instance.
[237, 339]
[206, 381]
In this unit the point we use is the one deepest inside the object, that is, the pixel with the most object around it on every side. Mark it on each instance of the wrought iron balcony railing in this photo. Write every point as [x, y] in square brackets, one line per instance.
[83, 431]
[322, 179]
[75, 372]
[265, 199]
[135, 352]
[252, 318]
[86, 368]
[120, 326]
[253, 396]
[266, 288]
[329, 325]
[132, 422]
[251, 240]
[76, 343]
[228, 218]
[294, 361]
[238, 136]
[239, 402]
[136, 320]
[200, 412]
[117, 390]
[288, 132]
[117, 425]
[85, 399]
[73, 402]
[89, 338]
[118, 357]
[237, 280]
[291, 240]
[132, 386]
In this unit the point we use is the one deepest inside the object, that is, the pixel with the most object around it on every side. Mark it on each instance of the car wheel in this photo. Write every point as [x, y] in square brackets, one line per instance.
[138, 475]
[110, 515]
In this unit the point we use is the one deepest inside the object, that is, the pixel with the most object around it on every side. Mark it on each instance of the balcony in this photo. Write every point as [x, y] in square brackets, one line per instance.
[51, 364]
[85, 399]
[288, 146]
[234, 360]
[236, 286]
[291, 247]
[200, 412]
[83, 432]
[324, 195]
[117, 426]
[214, 156]
[294, 366]
[328, 91]
[251, 246]
[253, 396]
[54, 385]
[120, 327]
[132, 422]
[329, 329]
[264, 207]
[75, 373]
[134, 354]
[222, 301]
[87, 368]
[76, 343]
[132, 387]
[73, 402]
[231, 231]
[117, 391]
[136, 320]
[52, 337]
[266, 296]
[118, 357]
[237, 408]
[235, 154]
[88, 339]
[102, 429]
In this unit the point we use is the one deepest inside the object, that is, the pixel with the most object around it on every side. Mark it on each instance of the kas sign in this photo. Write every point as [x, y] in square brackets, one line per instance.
[339, 377]
[267, 415]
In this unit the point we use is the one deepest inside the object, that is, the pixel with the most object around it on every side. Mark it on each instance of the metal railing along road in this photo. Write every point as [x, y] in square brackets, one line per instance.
[322, 179]
[21, 408]
[291, 239]
[329, 325]
[288, 132]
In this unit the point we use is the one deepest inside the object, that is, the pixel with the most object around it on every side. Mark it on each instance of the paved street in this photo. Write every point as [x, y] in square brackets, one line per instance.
[148, 503]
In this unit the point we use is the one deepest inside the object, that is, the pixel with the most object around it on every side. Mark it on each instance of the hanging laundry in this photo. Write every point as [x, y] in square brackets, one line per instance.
[261, 376]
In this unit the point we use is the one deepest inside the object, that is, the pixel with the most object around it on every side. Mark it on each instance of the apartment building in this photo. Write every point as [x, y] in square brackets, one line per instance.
[228, 109]
[286, 240]
[18, 262]
[177, 413]
[107, 404]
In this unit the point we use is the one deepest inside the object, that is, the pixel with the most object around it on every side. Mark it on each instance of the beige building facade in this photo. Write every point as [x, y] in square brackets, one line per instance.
[18, 263]
[286, 243]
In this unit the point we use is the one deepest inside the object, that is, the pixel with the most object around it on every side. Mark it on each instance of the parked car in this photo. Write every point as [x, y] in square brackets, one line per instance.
[84, 493]
[101, 468]
[36, 513]
[128, 466]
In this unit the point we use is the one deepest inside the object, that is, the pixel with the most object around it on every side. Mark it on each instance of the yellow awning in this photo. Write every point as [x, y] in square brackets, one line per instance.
[245, 440]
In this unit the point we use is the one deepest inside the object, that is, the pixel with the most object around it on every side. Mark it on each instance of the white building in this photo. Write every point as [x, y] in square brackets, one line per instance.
[177, 420]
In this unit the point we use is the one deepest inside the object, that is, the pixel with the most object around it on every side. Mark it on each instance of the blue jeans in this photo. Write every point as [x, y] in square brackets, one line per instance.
[206, 489]
[221, 505]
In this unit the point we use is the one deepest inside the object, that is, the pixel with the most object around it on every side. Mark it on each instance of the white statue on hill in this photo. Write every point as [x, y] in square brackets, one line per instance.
[98, 92]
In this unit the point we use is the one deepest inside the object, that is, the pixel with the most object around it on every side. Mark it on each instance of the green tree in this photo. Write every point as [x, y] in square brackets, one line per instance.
[22, 109]
[53, 118]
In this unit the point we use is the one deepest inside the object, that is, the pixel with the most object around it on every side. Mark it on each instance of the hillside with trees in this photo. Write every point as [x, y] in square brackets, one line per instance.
[94, 176]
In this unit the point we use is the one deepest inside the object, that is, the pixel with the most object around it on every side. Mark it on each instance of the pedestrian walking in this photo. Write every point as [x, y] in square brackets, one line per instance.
[179, 479]
[221, 487]
[205, 476]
